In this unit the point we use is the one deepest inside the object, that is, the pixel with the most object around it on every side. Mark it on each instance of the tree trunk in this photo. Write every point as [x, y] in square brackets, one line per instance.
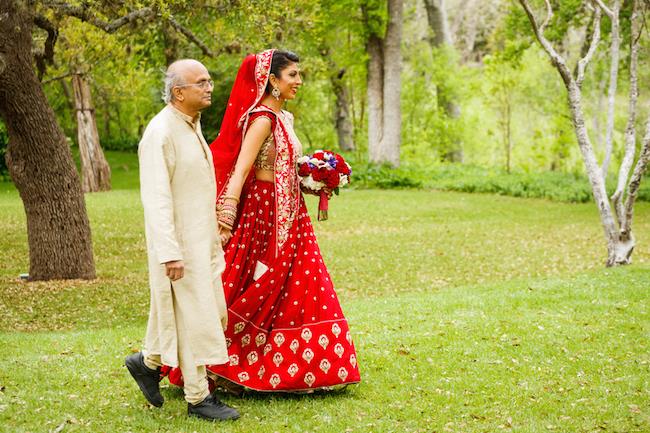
[392, 134]
[39, 159]
[437, 17]
[375, 90]
[342, 117]
[613, 82]
[439, 24]
[595, 177]
[620, 241]
[95, 171]
[507, 133]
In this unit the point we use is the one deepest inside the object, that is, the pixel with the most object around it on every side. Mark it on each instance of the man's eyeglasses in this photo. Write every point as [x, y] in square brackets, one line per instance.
[204, 84]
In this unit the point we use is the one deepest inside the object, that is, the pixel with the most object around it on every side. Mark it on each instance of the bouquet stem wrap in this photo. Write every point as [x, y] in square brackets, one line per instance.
[323, 204]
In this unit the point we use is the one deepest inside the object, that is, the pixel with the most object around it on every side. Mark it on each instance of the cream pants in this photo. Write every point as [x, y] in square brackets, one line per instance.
[194, 377]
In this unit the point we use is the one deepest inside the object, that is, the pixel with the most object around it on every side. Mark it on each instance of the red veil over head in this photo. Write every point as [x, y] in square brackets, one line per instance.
[247, 92]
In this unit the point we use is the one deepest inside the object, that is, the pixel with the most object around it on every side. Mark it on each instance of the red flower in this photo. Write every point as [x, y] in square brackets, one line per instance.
[303, 170]
[319, 174]
[331, 179]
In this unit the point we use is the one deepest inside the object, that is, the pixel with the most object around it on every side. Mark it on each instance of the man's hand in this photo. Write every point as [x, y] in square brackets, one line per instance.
[175, 270]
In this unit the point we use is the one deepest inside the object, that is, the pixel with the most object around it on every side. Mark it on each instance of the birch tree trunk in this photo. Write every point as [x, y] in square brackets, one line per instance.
[620, 240]
[95, 171]
[39, 159]
[392, 134]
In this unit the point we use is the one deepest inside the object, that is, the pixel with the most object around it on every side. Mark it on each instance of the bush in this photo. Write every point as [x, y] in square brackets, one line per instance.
[383, 177]
[126, 144]
[555, 186]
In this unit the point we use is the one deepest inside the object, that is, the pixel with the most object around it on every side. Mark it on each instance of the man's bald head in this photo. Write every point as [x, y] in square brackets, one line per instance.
[179, 73]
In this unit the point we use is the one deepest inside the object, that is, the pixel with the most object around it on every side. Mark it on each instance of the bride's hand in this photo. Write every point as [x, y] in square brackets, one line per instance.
[225, 235]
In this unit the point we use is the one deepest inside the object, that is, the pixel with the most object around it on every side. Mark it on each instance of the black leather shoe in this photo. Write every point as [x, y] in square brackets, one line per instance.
[212, 409]
[146, 378]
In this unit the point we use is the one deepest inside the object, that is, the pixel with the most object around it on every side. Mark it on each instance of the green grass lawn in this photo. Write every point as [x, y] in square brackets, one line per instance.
[471, 313]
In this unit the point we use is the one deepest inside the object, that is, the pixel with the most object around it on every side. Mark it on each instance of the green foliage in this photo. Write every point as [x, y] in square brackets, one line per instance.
[430, 84]
[330, 36]
[383, 177]
[550, 185]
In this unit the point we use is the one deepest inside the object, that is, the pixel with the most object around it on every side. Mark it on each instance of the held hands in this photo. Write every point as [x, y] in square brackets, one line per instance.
[226, 216]
[175, 270]
[225, 235]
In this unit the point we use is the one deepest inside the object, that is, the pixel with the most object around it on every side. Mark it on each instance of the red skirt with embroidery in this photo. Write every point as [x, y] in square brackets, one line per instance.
[286, 330]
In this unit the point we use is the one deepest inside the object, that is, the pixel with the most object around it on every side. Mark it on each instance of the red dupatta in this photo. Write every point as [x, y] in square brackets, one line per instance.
[247, 92]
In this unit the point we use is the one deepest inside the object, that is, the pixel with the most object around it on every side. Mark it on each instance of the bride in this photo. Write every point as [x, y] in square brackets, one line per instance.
[286, 330]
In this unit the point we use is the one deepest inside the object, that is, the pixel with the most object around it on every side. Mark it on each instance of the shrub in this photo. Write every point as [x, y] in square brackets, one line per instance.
[555, 186]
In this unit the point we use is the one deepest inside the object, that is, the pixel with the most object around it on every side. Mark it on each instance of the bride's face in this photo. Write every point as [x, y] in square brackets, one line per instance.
[288, 81]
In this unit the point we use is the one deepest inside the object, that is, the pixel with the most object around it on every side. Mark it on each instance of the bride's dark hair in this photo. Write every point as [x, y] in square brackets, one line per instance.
[281, 59]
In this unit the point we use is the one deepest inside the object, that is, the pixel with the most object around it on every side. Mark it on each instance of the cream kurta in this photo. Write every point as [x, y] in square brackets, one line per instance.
[178, 191]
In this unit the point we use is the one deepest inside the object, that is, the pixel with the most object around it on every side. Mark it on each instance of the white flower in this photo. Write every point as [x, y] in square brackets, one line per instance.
[303, 159]
[343, 180]
[310, 183]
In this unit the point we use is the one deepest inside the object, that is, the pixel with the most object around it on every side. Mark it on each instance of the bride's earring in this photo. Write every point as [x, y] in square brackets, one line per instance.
[276, 92]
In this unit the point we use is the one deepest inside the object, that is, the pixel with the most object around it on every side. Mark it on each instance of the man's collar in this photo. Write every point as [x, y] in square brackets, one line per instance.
[187, 118]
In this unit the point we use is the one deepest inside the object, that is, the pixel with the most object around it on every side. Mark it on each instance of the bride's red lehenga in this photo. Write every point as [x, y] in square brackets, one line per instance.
[286, 330]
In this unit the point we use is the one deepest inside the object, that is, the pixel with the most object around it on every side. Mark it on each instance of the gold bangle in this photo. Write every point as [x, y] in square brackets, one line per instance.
[232, 197]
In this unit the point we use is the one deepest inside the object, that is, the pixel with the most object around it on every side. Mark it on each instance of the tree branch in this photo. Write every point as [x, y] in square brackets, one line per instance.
[635, 181]
[582, 64]
[556, 58]
[549, 16]
[85, 14]
[192, 37]
[613, 82]
[630, 129]
[52, 35]
[47, 55]
[147, 14]
[57, 78]
[605, 9]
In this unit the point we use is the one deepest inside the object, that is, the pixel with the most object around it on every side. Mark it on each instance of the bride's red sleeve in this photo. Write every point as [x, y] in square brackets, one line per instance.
[254, 116]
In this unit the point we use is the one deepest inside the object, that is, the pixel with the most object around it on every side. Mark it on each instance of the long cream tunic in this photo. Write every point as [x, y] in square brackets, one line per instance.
[178, 191]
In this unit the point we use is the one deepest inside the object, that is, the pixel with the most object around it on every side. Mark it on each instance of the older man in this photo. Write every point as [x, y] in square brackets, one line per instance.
[188, 311]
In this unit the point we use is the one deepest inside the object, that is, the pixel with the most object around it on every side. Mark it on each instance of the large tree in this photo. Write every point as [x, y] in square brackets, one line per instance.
[39, 159]
[615, 216]
[384, 89]
[38, 156]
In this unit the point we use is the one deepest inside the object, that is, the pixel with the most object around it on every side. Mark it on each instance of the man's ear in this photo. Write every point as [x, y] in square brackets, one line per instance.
[178, 94]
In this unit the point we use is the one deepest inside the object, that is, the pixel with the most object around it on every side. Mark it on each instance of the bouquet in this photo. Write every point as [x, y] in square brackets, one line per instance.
[322, 173]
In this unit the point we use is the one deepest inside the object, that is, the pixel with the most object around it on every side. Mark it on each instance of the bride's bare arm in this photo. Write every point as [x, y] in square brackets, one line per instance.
[255, 136]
